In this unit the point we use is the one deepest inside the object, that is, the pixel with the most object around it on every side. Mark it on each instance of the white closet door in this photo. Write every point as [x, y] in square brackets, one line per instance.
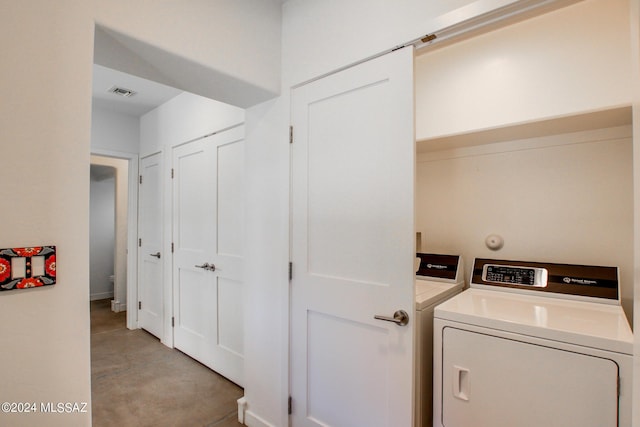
[208, 210]
[150, 294]
[353, 246]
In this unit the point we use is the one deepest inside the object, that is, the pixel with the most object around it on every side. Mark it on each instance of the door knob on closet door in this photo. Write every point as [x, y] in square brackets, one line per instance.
[157, 255]
[207, 266]
[400, 318]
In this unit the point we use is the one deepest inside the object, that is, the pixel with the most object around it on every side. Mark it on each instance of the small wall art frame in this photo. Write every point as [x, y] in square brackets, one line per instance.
[22, 268]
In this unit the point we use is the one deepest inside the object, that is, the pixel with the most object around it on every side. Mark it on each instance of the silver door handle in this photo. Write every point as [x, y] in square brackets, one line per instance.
[207, 266]
[157, 255]
[400, 318]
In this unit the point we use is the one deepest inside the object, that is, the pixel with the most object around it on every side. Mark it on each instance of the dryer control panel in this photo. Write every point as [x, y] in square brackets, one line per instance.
[571, 280]
[509, 274]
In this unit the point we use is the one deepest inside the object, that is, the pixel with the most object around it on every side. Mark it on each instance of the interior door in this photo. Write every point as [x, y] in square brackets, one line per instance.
[150, 294]
[353, 246]
[207, 235]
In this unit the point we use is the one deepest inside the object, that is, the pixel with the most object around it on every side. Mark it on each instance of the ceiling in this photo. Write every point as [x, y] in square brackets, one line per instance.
[149, 94]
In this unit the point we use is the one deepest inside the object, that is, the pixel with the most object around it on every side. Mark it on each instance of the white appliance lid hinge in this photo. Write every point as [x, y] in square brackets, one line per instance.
[290, 134]
[172, 247]
[172, 173]
[290, 271]
[139, 243]
[139, 305]
[289, 406]
[173, 322]
[140, 179]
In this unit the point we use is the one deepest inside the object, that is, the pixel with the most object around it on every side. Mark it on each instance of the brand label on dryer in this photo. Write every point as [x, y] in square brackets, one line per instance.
[579, 281]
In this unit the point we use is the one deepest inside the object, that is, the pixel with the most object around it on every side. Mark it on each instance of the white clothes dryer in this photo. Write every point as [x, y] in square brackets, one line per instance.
[439, 277]
[533, 344]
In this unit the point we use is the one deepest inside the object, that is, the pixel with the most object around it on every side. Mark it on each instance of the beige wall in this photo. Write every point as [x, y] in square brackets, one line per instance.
[45, 121]
[227, 50]
[575, 59]
[562, 198]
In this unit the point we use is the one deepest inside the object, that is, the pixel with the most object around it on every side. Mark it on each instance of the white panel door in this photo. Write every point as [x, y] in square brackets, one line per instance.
[207, 235]
[497, 382]
[353, 246]
[150, 294]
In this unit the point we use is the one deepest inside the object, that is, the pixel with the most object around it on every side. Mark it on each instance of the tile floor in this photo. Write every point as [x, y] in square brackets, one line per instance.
[137, 381]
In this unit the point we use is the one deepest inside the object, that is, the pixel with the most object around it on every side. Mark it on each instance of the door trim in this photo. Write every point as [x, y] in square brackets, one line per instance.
[132, 231]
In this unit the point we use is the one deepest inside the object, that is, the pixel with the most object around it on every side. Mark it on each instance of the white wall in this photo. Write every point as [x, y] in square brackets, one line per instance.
[562, 198]
[182, 119]
[549, 66]
[114, 132]
[102, 236]
[266, 264]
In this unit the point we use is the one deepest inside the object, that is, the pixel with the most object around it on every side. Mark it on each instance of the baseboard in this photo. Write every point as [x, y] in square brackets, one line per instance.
[248, 418]
[117, 307]
[101, 295]
[242, 408]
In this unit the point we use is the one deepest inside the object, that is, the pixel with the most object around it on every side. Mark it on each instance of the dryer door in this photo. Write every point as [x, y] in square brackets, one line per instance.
[494, 381]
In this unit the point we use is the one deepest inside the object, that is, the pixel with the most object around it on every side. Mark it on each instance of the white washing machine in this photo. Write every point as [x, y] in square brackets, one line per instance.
[533, 344]
[438, 278]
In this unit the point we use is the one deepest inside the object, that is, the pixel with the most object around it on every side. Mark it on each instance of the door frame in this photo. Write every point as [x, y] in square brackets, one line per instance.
[132, 231]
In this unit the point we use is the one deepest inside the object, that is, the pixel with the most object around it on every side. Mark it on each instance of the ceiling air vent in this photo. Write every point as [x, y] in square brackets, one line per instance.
[127, 93]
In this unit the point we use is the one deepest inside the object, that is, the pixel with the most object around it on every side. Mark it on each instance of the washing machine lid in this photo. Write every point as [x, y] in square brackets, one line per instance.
[584, 323]
[429, 292]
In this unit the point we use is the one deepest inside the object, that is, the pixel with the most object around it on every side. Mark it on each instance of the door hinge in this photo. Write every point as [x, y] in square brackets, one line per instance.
[290, 134]
[172, 173]
[290, 271]
[139, 305]
[618, 387]
[172, 247]
[173, 322]
[140, 179]
[139, 243]
[289, 406]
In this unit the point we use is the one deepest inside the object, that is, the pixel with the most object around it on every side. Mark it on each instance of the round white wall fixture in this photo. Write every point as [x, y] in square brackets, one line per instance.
[494, 242]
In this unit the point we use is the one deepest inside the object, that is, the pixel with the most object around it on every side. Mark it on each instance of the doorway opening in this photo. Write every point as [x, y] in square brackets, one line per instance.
[102, 232]
[108, 230]
[129, 356]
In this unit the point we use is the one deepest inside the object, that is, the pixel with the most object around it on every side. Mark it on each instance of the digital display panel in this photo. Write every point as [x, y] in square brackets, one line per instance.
[512, 275]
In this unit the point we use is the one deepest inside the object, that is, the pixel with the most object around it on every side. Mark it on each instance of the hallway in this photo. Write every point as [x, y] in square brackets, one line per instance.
[137, 381]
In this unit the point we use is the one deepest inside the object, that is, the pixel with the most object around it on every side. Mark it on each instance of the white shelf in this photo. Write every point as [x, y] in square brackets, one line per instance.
[612, 117]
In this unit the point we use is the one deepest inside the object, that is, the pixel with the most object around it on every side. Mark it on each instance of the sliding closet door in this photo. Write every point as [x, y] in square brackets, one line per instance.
[353, 246]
